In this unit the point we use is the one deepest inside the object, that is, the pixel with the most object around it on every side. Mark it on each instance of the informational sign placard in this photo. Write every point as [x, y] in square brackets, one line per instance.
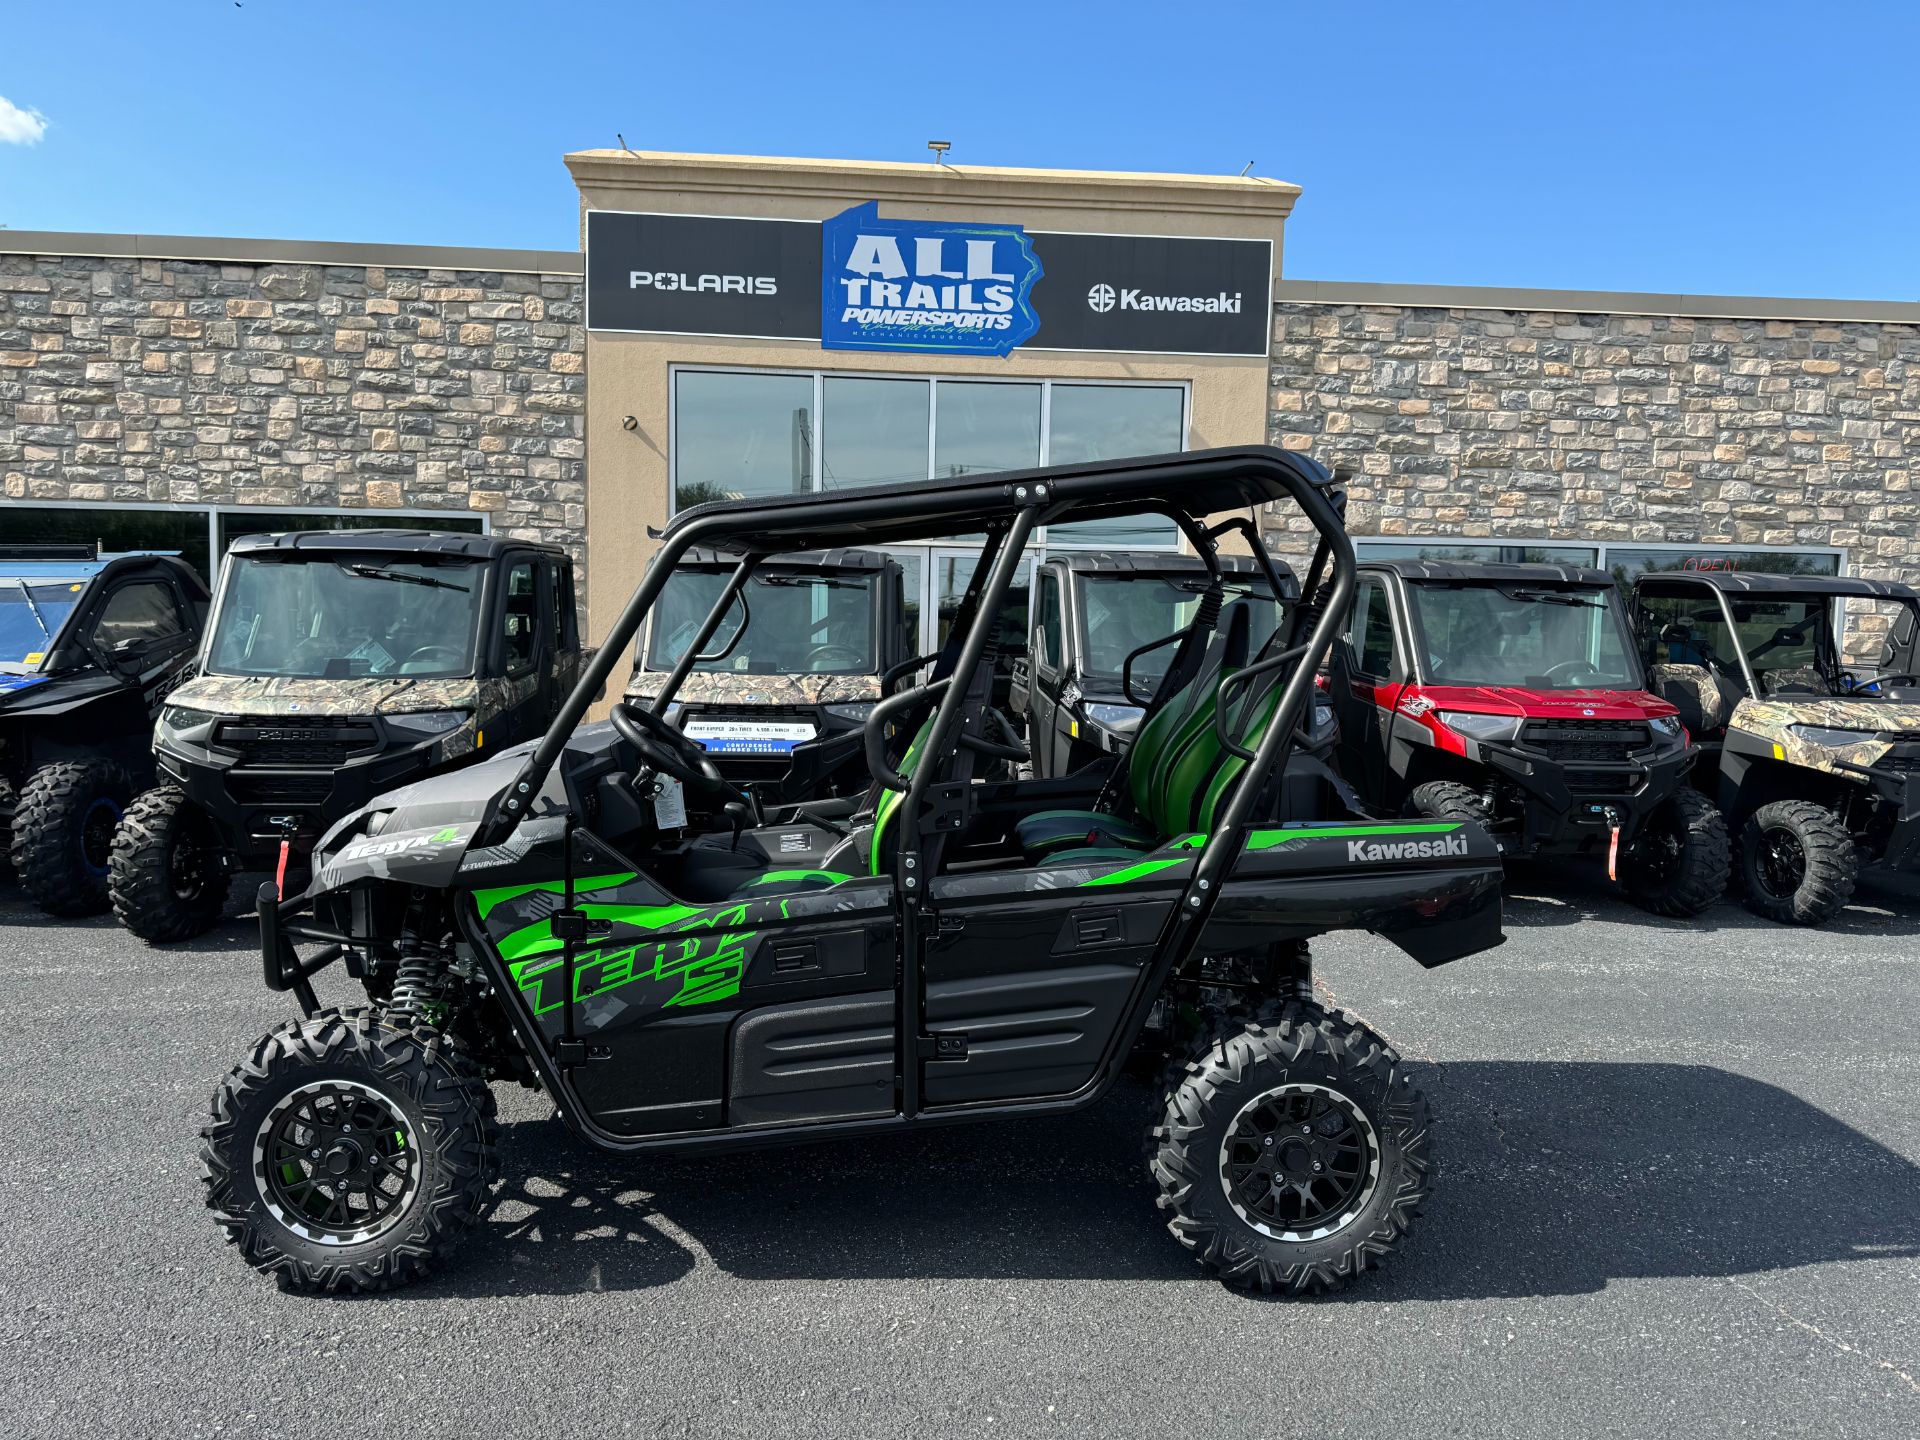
[864, 281]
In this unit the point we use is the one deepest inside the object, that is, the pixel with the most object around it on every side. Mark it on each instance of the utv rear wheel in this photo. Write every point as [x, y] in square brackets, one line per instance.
[63, 834]
[169, 874]
[1797, 863]
[1292, 1151]
[1680, 862]
[350, 1152]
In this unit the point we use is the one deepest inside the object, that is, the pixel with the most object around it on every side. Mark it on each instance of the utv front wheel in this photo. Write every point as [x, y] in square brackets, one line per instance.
[350, 1152]
[1680, 861]
[1797, 862]
[63, 834]
[1449, 800]
[168, 877]
[1292, 1151]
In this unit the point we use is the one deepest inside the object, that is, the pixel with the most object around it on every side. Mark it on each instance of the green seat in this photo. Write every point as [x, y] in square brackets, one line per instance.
[1176, 747]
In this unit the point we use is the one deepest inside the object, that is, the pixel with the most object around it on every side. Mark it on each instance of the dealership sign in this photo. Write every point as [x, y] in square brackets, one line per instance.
[862, 281]
[921, 285]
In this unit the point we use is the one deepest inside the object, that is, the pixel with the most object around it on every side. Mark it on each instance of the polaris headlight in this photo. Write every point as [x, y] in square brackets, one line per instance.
[425, 724]
[1480, 727]
[1114, 717]
[183, 722]
[1665, 727]
[1829, 737]
[856, 711]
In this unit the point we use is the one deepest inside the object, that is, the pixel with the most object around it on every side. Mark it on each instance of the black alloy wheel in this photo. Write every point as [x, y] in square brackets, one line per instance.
[1299, 1162]
[335, 1162]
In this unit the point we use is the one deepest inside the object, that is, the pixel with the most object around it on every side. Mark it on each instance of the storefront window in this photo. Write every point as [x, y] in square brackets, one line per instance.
[1627, 562]
[1107, 422]
[741, 436]
[1478, 552]
[986, 427]
[875, 432]
[113, 531]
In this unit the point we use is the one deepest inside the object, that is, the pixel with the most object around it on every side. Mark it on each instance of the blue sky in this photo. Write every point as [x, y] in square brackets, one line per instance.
[1753, 148]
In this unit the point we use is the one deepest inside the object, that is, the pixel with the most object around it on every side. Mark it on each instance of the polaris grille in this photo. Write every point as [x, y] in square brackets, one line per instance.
[316, 741]
[1602, 742]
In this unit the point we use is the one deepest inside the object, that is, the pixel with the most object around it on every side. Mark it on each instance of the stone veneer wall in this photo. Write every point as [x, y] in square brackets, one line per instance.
[296, 385]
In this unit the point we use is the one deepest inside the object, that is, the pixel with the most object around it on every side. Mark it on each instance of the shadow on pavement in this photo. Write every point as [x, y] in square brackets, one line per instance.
[1539, 896]
[1555, 1179]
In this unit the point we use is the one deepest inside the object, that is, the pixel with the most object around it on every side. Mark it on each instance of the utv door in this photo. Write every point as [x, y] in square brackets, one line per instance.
[524, 649]
[144, 629]
[1367, 676]
[1027, 979]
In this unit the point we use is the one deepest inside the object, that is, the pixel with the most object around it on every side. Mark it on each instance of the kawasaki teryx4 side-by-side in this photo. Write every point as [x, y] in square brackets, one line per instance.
[1511, 695]
[754, 977]
[338, 665]
[781, 697]
[1814, 766]
[89, 648]
[1102, 633]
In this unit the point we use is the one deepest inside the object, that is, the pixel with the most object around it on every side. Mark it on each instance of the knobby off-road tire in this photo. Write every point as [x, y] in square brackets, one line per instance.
[1798, 864]
[347, 1104]
[1254, 1109]
[63, 834]
[1449, 800]
[1682, 859]
[168, 878]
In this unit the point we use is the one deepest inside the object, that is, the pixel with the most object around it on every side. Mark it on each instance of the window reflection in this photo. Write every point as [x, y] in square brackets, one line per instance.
[741, 437]
[876, 432]
[984, 427]
[1110, 422]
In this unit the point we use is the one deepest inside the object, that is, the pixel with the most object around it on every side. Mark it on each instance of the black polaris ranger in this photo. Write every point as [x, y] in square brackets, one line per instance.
[1510, 695]
[1103, 628]
[88, 650]
[772, 979]
[781, 698]
[338, 665]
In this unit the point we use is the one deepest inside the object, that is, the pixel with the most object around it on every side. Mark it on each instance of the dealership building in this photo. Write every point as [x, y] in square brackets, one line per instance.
[745, 326]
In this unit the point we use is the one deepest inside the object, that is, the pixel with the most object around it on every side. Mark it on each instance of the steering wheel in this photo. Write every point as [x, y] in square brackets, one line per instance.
[670, 752]
[826, 653]
[426, 654]
[1566, 669]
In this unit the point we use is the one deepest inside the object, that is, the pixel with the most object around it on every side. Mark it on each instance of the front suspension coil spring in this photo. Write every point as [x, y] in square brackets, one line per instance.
[416, 987]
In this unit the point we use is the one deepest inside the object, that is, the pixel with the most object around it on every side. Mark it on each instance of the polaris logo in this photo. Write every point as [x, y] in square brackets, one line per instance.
[1366, 850]
[1101, 298]
[712, 284]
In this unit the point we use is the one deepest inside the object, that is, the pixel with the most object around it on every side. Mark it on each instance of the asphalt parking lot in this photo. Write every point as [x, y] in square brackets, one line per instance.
[1680, 1194]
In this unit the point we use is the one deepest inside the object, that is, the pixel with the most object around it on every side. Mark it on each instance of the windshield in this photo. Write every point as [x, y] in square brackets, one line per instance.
[31, 614]
[798, 623]
[1540, 638]
[1119, 614]
[336, 619]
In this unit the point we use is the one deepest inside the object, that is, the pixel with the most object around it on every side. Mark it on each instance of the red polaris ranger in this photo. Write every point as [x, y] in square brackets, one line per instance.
[1512, 695]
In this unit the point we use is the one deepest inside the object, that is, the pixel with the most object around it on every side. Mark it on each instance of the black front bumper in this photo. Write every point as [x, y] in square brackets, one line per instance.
[1571, 807]
[257, 806]
[1896, 789]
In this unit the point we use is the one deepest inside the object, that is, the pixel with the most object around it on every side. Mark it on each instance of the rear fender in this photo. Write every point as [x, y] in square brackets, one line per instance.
[1432, 888]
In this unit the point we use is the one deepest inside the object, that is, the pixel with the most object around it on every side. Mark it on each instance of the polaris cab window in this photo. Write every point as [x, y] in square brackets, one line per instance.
[1787, 642]
[31, 614]
[795, 624]
[138, 615]
[1119, 614]
[1543, 638]
[1050, 626]
[336, 618]
[1370, 638]
[521, 617]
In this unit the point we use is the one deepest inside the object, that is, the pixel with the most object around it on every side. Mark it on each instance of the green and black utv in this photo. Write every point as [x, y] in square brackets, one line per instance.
[753, 977]
[781, 698]
[90, 648]
[337, 665]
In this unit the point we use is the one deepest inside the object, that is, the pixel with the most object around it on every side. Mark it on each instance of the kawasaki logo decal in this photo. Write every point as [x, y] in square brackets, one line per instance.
[1370, 850]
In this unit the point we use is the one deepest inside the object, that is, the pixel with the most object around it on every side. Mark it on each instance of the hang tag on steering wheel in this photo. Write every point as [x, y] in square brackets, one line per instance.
[669, 803]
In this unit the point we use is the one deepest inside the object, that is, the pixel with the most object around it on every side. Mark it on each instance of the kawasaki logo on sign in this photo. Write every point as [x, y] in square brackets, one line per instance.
[925, 285]
[1102, 298]
[1406, 849]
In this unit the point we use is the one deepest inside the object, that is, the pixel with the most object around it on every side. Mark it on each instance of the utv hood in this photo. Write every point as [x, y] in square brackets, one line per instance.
[43, 695]
[1544, 704]
[367, 695]
[1773, 723]
[721, 687]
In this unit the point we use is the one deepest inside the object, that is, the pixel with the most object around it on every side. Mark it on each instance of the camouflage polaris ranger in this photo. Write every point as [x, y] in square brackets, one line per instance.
[1813, 764]
[337, 665]
[781, 696]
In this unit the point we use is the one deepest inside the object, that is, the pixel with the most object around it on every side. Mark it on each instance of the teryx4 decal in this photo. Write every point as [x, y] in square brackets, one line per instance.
[702, 957]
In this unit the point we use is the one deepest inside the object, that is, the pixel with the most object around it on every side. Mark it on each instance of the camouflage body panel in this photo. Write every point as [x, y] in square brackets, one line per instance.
[721, 687]
[250, 695]
[1771, 722]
